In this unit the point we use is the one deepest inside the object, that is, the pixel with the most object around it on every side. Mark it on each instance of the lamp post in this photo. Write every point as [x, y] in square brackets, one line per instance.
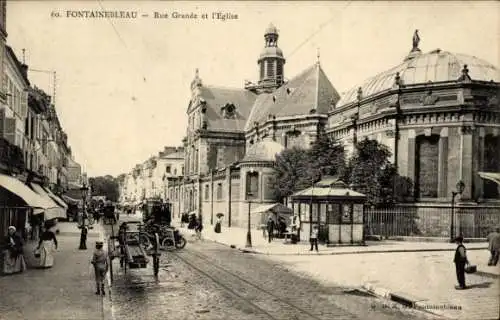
[249, 233]
[460, 189]
[83, 235]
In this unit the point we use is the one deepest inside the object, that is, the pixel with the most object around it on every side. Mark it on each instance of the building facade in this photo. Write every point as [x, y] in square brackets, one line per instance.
[149, 180]
[438, 112]
[34, 149]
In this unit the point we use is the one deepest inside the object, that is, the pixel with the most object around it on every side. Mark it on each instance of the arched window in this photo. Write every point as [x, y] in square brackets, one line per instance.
[491, 164]
[219, 191]
[262, 70]
[252, 185]
[427, 161]
[207, 192]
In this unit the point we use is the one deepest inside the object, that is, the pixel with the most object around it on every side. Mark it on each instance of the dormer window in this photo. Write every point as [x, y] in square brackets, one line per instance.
[228, 111]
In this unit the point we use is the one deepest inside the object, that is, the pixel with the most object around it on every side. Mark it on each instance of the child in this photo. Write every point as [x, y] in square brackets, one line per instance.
[100, 262]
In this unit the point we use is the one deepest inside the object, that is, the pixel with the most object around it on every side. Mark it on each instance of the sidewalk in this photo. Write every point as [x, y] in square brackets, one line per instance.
[420, 275]
[237, 237]
[65, 291]
[417, 279]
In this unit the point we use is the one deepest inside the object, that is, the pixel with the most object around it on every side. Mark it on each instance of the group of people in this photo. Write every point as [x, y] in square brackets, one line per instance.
[13, 253]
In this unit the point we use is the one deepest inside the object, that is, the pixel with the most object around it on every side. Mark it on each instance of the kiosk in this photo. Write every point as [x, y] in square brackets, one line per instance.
[337, 210]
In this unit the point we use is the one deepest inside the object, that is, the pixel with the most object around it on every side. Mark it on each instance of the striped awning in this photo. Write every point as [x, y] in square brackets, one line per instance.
[55, 211]
[20, 189]
[56, 199]
[492, 176]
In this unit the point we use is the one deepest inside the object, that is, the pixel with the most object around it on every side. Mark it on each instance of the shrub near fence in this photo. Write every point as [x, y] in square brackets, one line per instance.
[431, 221]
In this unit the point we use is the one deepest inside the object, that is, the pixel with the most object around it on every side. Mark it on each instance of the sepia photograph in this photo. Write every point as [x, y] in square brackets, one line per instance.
[284, 160]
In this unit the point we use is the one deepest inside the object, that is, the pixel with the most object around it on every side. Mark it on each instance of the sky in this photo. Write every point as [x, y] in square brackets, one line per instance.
[122, 85]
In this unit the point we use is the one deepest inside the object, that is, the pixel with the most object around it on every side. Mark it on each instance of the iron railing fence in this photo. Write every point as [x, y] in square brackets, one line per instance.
[431, 221]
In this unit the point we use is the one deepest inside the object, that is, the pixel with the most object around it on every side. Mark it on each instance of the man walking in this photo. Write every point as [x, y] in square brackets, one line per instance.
[494, 246]
[460, 261]
[314, 238]
[270, 229]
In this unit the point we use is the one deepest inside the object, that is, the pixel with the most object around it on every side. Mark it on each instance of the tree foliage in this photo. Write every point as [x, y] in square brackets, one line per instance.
[298, 168]
[105, 186]
[371, 173]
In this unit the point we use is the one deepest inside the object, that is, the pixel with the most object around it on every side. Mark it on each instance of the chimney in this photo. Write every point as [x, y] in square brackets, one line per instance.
[24, 70]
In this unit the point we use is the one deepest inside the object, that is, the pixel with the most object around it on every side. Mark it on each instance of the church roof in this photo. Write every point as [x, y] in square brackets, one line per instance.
[434, 66]
[263, 151]
[217, 97]
[309, 90]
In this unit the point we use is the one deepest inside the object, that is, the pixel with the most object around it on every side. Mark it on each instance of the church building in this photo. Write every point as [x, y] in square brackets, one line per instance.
[438, 112]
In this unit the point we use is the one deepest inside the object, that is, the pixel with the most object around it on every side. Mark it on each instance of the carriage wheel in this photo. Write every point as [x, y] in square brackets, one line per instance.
[144, 241]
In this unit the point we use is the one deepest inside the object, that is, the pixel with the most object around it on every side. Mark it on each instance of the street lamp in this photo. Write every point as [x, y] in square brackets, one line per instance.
[249, 233]
[460, 188]
[83, 235]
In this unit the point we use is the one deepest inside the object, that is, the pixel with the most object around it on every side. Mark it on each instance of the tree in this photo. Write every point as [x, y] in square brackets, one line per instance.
[105, 186]
[371, 173]
[291, 172]
[298, 168]
[327, 156]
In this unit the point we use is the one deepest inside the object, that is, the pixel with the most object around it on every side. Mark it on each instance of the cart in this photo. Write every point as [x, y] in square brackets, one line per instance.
[133, 249]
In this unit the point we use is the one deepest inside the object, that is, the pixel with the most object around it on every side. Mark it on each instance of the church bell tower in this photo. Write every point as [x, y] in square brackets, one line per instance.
[270, 62]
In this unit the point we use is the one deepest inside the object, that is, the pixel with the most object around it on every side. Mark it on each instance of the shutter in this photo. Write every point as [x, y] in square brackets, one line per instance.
[2, 123]
[10, 130]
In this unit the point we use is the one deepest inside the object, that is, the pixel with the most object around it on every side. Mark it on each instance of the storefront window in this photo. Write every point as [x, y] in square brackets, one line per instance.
[347, 213]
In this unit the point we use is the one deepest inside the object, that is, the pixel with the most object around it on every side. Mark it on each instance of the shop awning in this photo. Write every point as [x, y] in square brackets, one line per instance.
[18, 188]
[277, 208]
[493, 176]
[54, 211]
[56, 199]
[70, 200]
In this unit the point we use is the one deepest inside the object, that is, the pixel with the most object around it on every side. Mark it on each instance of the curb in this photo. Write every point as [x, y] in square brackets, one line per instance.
[398, 297]
[349, 252]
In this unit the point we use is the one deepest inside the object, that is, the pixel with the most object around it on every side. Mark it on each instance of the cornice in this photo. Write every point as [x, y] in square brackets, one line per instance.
[414, 88]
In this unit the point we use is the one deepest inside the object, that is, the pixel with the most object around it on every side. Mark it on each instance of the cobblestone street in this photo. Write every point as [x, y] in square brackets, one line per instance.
[207, 280]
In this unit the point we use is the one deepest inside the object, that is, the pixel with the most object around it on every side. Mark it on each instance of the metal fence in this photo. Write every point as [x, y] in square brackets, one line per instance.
[431, 221]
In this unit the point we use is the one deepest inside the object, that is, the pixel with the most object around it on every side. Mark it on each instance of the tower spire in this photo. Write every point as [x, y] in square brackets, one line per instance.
[317, 56]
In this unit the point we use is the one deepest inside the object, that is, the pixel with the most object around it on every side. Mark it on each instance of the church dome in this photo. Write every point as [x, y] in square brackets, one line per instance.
[271, 52]
[263, 151]
[434, 66]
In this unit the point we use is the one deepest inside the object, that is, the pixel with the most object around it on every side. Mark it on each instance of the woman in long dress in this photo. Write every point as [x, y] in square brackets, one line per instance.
[46, 247]
[218, 224]
[13, 254]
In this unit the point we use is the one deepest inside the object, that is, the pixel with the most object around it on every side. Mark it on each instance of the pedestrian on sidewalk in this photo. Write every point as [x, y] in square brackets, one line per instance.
[494, 246]
[100, 262]
[218, 224]
[314, 238]
[46, 247]
[460, 261]
[198, 228]
[270, 229]
[13, 261]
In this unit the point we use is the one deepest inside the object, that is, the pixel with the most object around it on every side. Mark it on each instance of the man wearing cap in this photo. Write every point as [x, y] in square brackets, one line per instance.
[460, 261]
[100, 262]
